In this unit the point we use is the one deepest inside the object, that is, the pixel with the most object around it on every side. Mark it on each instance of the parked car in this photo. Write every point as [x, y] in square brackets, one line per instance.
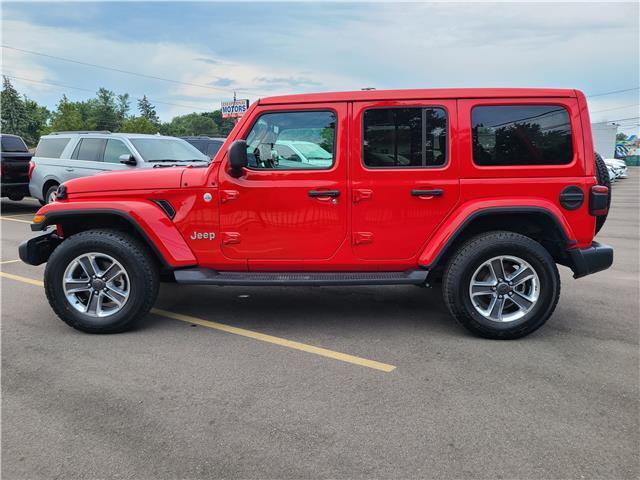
[64, 156]
[618, 166]
[14, 167]
[207, 145]
[468, 211]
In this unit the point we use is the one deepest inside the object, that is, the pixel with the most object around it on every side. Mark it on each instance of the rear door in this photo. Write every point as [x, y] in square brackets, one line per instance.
[405, 175]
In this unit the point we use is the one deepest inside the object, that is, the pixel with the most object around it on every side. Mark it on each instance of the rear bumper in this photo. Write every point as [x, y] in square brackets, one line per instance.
[585, 261]
[37, 250]
[14, 189]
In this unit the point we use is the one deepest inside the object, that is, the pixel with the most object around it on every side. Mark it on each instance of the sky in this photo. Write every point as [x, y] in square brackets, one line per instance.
[200, 53]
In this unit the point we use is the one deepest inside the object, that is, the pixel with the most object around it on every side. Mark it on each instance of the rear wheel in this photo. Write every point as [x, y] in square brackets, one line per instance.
[501, 285]
[602, 176]
[101, 281]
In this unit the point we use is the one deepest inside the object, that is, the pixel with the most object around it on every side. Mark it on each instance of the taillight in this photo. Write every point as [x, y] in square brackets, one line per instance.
[599, 200]
[32, 167]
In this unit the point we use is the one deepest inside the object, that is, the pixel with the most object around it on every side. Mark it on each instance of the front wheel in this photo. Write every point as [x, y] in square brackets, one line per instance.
[101, 281]
[501, 285]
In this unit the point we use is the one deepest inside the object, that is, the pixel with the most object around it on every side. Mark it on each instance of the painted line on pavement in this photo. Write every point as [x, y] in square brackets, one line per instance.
[9, 261]
[11, 219]
[283, 342]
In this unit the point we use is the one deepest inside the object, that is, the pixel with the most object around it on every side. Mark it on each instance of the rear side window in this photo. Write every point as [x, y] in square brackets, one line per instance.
[13, 144]
[414, 137]
[212, 148]
[51, 147]
[521, 135]
[90, 149]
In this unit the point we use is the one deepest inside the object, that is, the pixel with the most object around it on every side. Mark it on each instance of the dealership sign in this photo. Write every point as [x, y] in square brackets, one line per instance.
[234, 108]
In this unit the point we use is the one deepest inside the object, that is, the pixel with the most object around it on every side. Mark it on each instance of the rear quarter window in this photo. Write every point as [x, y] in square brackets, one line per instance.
[51, 147]
[521, 135]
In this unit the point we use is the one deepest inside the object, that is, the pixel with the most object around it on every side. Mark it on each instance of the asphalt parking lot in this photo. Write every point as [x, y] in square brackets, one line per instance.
[413, 395]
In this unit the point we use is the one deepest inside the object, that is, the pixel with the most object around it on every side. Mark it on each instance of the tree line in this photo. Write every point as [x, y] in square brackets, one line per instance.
[106, 111]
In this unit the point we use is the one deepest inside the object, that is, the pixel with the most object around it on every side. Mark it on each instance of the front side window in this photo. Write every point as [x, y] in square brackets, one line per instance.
[412, 137]
[114, 149]
[90, 149]
[292, 141]
[51, 147]
[521, 135]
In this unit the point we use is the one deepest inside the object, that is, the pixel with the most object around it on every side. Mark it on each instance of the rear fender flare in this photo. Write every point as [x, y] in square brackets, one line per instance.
[145, 217]
[455, 225]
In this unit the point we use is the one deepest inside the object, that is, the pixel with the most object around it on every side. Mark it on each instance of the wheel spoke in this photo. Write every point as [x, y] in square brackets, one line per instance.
[92, 303]
[112, 272]
[497, 305]
[520, 276]
[115, 294]
[497, 268]
[88, 265]
[75, 286]
[482, 288]
[521, 301]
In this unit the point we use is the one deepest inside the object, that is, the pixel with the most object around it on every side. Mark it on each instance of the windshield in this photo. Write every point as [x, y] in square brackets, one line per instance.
[312, 151]
[167, 149]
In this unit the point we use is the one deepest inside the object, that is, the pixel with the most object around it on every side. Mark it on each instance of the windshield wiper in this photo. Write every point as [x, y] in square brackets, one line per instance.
[176, 161]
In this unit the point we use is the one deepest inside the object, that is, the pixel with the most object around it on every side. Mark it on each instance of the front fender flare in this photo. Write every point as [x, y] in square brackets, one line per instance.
[146, 217]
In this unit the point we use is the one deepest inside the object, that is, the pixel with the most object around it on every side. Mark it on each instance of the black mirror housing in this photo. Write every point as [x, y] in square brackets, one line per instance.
[238, 157]
[127, 159]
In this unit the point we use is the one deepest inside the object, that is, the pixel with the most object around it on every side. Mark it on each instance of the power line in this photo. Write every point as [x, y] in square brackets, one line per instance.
[612, 92]
[616, 108]
[94, 91]
[128, 72]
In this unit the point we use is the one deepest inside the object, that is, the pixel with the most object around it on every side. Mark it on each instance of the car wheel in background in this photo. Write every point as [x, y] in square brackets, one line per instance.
[50, 194]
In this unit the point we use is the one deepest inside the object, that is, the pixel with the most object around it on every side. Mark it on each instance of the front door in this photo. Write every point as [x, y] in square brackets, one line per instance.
[289, 208]
[405, 175]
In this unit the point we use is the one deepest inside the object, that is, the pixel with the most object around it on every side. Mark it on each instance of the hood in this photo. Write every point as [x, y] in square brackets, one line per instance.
[138, 179]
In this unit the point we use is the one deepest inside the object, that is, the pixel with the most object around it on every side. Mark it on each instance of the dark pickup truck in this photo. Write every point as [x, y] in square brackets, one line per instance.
[14, 164]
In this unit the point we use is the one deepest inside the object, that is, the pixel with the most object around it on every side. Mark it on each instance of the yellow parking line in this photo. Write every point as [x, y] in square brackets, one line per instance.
[20, 278]
[11, 219]
[344, 357]
[9, 261]
[323, 352]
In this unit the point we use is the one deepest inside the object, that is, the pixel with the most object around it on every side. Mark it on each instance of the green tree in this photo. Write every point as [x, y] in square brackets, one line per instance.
[36, 120]
[123, 107]
[104, 111]
[148, 110]
[190, 124]
[68, 117]
[138, 125]
[621, 137]
[13, 115]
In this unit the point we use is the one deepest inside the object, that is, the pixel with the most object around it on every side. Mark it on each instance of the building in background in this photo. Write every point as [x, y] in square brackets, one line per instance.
[604, 138]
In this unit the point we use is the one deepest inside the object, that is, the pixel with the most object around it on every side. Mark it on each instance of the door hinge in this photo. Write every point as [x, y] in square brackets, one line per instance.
[360, 194]
[362, 237]
[230, 238]
[228, 195]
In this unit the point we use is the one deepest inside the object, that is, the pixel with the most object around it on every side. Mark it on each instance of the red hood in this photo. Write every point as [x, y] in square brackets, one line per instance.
[139, 179]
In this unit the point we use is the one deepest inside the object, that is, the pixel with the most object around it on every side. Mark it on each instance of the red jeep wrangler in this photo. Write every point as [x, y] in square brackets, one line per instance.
[484, 190]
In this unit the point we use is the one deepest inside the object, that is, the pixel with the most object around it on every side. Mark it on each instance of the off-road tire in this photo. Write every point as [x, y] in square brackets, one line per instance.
[140, 266]
[602, 176]
[48, 193]
[462, 265]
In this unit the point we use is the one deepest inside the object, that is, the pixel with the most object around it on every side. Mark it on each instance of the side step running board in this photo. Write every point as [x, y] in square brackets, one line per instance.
[205, 276]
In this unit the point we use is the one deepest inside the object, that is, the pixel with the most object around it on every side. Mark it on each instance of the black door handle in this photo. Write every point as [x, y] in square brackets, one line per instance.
[435, 192]
[324, 193]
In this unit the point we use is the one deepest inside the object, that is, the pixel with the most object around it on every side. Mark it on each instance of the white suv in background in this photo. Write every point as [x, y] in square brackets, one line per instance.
[66, 155]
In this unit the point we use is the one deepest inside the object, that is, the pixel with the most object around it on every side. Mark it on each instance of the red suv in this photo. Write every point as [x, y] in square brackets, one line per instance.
[481, 190]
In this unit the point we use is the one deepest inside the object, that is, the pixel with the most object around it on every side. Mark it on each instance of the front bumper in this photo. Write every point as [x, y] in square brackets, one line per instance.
[37, 250]
[585, 261]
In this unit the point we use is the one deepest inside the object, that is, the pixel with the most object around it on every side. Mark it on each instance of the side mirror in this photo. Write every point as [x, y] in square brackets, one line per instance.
[127, 159]
[238, 157]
